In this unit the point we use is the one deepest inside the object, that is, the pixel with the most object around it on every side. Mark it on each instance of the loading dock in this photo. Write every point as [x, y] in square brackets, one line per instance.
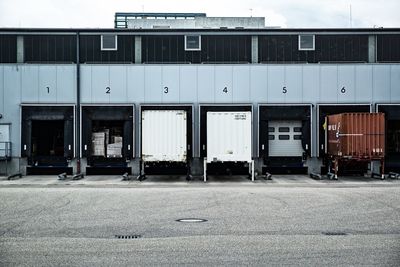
[285, 137]
[166, 140]
[47, 138]
[354, 139]
[226, 139]
[107, 138]
[324, 110]
[392, 116]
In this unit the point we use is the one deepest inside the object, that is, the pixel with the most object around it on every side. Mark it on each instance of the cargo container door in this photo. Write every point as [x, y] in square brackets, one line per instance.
[164, 135]
[229, 136]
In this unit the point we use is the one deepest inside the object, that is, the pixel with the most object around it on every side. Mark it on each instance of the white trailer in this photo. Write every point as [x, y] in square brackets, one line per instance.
[164, 135]
[229, 138]
[165, 140]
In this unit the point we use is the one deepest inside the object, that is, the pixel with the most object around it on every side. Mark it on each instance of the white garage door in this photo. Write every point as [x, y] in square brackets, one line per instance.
[285, 139]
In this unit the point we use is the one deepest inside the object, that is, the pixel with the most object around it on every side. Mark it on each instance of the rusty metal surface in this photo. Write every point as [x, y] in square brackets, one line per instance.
[356, 135]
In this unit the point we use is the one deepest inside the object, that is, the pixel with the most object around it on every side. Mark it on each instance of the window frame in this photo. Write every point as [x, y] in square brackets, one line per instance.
[284, 137]
[297, 137]
[284, 129]
[192, 49]
[306, 49]
[109, 49]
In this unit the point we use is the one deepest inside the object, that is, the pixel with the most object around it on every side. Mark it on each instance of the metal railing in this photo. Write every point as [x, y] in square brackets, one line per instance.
[121, 18]
[5, 155]
[5, 150]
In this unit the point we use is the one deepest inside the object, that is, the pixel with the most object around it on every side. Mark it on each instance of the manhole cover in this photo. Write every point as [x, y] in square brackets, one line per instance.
[191, 220]
[128, 236]
[334, 233]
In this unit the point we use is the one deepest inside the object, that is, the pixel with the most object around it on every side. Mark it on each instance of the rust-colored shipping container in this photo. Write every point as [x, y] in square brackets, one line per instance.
[356, 135]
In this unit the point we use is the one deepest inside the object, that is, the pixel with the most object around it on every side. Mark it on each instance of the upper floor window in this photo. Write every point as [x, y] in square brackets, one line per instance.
[306, 42]
[192, 42]
[108, 42]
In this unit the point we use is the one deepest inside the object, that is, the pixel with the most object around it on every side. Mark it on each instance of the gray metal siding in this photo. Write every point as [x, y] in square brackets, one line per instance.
[346, 84]
[198, 83]
[258, 83]
[28, 84]
[365, 83]
[188, 85]
[12, 99]
[311, 84]
[136, 84]
[395, 82]
[240, 81]
[381, 83]
[170, 87]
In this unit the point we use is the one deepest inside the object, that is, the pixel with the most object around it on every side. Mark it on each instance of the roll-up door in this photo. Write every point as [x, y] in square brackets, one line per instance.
[285, 138]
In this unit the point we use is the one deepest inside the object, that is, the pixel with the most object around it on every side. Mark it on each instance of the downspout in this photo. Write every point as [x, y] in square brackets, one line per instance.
[78, 108]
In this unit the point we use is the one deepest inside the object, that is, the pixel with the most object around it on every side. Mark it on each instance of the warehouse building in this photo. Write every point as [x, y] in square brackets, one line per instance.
[165, 93]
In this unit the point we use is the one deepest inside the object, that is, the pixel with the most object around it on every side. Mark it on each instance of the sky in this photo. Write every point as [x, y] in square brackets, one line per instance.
[283, 13]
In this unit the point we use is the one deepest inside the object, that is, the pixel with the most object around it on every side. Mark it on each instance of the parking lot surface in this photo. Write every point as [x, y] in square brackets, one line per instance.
[291, 220]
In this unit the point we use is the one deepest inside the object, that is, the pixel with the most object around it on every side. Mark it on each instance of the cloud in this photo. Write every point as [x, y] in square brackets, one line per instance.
[284, 13]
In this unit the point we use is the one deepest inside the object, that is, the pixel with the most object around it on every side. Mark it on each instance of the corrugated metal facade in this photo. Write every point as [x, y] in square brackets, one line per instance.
[8, 49]
[311, 84]
[328, 48]
[50, 49]
[222, 49]
[47, 80]
[356, 135]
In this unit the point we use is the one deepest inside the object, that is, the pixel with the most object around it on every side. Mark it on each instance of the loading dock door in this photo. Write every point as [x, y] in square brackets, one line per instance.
[392, 117]
[331, 109]
[115, 119]
[47, 117]
[285, 139]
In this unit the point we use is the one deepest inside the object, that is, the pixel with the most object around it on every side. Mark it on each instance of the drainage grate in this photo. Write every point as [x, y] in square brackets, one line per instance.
[128, 236]
[334, 233]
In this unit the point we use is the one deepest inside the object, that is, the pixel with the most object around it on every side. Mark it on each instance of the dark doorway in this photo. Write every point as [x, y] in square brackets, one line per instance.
[47, 138]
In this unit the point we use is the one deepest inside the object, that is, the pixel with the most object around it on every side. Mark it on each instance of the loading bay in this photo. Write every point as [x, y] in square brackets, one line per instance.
[289, 220]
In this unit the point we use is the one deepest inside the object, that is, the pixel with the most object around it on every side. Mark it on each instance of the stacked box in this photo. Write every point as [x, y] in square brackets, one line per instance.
[116, 139]
[114, 150]
[98, 144]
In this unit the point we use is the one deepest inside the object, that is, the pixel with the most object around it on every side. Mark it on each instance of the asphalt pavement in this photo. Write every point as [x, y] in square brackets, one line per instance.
[291, 220]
